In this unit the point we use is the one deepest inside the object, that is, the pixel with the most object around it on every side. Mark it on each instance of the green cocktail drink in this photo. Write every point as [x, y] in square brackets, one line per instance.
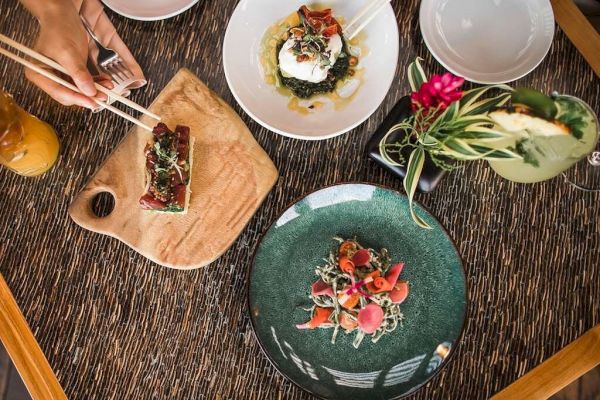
[553, 136]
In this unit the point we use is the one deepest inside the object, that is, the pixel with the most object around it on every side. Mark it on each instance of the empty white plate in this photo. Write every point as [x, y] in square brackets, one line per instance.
[488, 41]
[149, 10]
[241, 51]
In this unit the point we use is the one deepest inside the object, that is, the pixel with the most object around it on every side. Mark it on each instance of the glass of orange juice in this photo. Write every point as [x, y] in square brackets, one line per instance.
[28, 146]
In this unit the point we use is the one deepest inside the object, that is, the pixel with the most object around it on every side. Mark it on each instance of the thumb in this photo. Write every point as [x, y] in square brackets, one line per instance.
[77, 69]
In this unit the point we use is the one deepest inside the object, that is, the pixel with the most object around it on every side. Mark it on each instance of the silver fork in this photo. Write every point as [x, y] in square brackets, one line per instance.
[108, 59]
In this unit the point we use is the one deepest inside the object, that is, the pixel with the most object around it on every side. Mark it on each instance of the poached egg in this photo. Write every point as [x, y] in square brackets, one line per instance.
[310, 70]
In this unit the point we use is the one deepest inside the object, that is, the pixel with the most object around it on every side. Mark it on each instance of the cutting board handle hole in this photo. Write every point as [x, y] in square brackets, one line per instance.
[103, 204]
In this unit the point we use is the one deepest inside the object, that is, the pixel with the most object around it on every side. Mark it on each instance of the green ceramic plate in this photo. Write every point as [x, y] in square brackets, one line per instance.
[283, 271]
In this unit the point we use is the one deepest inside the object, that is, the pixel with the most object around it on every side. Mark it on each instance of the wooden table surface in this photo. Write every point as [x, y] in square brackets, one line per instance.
[115, 325]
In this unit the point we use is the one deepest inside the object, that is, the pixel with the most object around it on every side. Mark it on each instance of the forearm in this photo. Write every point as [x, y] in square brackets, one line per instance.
[44, 9]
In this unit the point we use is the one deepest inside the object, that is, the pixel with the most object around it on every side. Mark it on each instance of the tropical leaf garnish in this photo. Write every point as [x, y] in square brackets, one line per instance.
[411, 180]
[416, 75]
[460, 130]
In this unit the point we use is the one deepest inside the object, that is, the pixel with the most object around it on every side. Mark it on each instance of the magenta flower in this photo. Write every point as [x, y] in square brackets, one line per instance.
[438, 93]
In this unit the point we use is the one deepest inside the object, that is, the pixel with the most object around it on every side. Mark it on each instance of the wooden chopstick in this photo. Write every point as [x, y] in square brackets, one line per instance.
[53, 64]
[24, 350]
[69, 85]
[378, 7]
[362, 13]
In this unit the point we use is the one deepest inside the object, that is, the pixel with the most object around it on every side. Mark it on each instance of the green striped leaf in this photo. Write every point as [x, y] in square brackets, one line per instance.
[483, 133]
[429, 141]
[478, 135]
[452, 129]
[468, 121]
[486, 105]
[473, 95]
[383, 144]
[462, 150]
[447, 116]
[460, 147]
[416, 75]
[411, 180]
[447, 152]
[491, 154]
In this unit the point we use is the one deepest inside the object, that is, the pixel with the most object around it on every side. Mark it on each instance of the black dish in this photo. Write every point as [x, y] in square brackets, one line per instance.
[431, 174]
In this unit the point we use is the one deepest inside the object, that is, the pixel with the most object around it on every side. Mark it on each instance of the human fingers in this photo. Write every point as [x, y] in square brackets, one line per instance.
[107, 83]
[77, 70]
[60, 93]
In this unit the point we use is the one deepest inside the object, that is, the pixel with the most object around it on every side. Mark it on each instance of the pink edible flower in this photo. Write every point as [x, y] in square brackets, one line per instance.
[356, 288]
[437, 93]
[320, 288]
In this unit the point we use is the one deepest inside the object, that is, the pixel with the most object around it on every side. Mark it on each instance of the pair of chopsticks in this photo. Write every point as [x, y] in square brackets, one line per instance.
[364, 16]
[48, 74]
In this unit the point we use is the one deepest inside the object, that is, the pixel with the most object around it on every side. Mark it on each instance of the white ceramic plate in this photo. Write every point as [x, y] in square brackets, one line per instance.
[149, 10]
[262, 102]
[488, 41]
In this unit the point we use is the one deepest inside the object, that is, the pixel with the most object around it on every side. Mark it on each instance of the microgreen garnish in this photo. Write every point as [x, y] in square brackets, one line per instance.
[311, 42]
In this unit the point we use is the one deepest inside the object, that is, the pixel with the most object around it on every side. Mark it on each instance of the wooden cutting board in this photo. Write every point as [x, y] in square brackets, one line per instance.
[231, 176]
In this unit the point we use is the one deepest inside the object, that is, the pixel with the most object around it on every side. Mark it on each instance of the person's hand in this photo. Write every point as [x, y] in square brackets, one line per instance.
[64, 39]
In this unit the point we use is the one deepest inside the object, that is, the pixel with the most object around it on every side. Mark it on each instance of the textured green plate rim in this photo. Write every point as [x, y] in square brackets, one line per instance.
[460, 337]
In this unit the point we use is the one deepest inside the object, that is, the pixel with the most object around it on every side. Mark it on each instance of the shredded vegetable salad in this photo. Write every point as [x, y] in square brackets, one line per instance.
[358, 290]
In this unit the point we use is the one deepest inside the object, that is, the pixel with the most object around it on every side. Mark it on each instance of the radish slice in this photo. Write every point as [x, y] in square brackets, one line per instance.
[370, 318]
[320, 288]
[320, 318]
[361, 258]
[400, 292]
[394, 273]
